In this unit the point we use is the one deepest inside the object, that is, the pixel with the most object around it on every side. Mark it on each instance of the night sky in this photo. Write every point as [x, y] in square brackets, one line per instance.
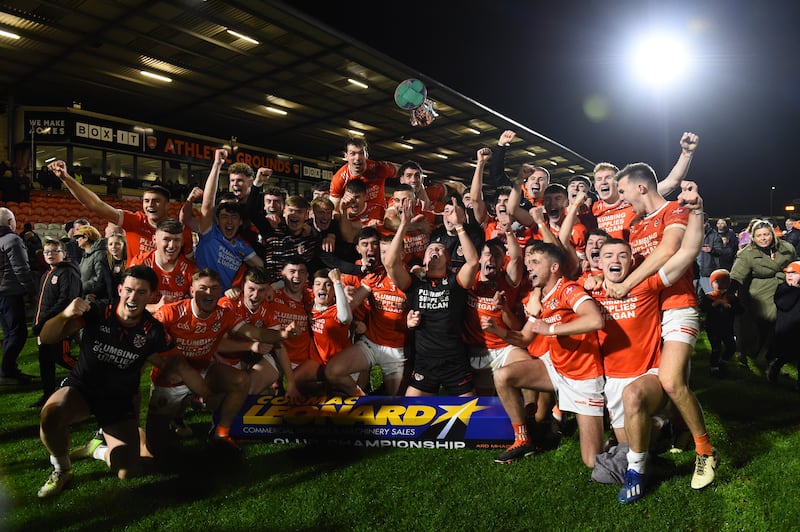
[539, 62]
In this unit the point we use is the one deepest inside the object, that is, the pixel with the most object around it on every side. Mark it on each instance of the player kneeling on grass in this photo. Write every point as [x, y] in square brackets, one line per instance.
[631, 342]
[117, 340]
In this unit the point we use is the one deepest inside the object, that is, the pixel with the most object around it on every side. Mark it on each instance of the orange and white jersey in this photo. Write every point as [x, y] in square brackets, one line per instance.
[286, 310]
[615, 219]
[524, 234]
[374, 176]
[480, 303]
[330, 335]
[386, 322]
[175, 284]
[539, 344]
[140, 235]
[263, 317]
[575, 356]
[196, 339]
[630, 341]
[647, 233]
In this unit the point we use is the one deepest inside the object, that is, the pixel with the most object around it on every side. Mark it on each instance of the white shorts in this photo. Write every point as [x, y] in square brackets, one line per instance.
[390, 359]
[613, 391]
[680, 325]
[581, 397]
[481, 357]
[169, 401]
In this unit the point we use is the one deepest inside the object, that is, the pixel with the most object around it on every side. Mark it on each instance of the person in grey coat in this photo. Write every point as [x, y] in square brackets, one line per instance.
[15, 282]
[756, 274]
[96, 277]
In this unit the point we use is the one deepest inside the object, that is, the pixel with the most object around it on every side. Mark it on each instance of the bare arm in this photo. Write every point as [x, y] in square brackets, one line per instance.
[86, 197]
[689, 142]
[186, 216]
[668, 246]
[210, 192]
[693, 236]
[393, 260]
[476, 188]
[65, 323]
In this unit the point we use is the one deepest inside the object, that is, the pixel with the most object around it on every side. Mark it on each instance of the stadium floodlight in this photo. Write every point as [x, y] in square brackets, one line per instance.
[660, 59]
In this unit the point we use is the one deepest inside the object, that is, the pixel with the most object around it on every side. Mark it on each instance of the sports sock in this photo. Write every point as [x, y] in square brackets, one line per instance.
[100, 453]
[637, 461]
[520, 433]
[557, 413]
[61, 463]
[703, 445]
[222, 432]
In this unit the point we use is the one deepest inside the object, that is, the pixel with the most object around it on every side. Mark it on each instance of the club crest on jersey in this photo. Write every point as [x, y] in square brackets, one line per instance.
[216, 326]
[553, 304]
[139, 340]
[656, 223]
[180, 280]
[54, 279]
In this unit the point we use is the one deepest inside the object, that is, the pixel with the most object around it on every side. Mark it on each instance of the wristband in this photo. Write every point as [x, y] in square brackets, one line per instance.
[699, 212]
[459, 229]
[532, 319]
[552, 330]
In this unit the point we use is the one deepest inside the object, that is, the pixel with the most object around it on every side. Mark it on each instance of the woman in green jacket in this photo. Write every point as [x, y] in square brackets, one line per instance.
[756, 273]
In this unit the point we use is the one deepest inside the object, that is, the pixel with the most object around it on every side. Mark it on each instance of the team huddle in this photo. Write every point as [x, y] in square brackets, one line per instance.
[552, 301]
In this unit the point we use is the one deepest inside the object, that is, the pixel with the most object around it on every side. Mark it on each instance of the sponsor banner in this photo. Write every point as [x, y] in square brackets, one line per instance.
[54, 126]
[377, 421]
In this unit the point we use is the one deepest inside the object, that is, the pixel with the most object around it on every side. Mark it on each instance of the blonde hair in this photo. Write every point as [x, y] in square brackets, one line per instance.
[92, 234]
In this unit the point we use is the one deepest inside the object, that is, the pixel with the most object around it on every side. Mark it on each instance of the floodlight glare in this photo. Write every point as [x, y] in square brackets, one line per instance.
[661, 60]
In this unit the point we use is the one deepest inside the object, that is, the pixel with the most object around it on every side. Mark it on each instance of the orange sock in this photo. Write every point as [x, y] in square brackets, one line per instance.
[222, 432]
[520, 432]
[703, 444]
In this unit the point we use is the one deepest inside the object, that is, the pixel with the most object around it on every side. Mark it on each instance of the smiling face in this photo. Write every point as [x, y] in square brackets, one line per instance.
[413, 177]
[763, 237]
[229, 223]
[154, 206]
[606, 185]
[536, 183]
[491, 262]
[273, 204]
[616, 261]
[370, 251]
[206, 291]
[631, 192]
[573, 189]
[593, 245]
[295, 279]
[168, 246]
[539, 266]
[323, 292]
[240, 185]
[116, 246]
[254, 294]
[295, 218]
[356, 157]
[435, 259]
[323, 217]
[134, 295]
[555, 205]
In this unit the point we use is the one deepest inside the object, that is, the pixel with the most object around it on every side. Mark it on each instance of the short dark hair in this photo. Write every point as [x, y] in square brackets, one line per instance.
[555, 188]
[616, 241]
[322, 273]
[409, 164]
[294, 260]
[171, 226]
[367, 232]
[356, 186]
[640, 172]
[355, 141]
[597, 232]
[230, 207]
[158, 189]
[582, 178]
[144, 273]
[207, 272]
[257, 275]
[404, 187]
[553, 251]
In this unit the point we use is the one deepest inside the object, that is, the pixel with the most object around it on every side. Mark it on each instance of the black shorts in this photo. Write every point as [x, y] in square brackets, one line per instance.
[107, 410]
[451, 372]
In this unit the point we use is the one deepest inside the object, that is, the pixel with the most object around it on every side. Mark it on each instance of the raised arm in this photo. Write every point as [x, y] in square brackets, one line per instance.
[515, 197]
[210, 192]
[692, 237]
[497, 172]
[86, 197]
[343, 311]
[186, 215]
[689, 142]
[393, 260]
[466, 274]
[476, 188]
